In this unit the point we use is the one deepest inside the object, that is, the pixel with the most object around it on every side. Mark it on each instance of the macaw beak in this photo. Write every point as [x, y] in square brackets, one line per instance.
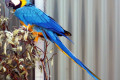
[9, 3]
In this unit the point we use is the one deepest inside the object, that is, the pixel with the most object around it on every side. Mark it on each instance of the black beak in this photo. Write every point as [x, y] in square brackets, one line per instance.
[9, 3]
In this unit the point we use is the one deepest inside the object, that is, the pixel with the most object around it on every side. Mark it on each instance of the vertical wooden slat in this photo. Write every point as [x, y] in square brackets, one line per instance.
[111, 19]
[90, 56]
[117, 39]
[104, 41]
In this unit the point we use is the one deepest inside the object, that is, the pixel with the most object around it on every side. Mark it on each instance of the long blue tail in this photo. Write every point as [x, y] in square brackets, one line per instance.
[54, 38]
[60, 45]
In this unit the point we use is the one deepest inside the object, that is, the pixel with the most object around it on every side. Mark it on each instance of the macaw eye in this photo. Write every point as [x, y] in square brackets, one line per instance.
[15, 2]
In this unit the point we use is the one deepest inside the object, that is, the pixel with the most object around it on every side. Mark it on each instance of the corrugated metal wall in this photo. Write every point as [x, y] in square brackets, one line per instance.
[95, 28]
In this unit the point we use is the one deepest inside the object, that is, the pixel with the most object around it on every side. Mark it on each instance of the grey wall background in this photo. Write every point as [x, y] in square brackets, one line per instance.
[94, 25]
[95, 28]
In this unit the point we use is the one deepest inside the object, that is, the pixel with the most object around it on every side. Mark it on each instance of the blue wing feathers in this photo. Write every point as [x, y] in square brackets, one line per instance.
[34, 16]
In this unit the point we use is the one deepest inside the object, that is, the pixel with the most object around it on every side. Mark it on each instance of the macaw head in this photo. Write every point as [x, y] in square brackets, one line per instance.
[16, 3]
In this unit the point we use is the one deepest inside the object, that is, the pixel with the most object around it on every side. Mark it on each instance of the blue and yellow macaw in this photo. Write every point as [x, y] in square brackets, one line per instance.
[43, 25]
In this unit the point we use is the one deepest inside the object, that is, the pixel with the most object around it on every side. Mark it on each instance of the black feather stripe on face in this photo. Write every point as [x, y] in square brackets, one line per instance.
[9, 3]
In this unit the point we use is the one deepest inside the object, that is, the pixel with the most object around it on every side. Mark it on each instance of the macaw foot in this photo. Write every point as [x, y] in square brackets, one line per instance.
[37, 35]
[30, 28]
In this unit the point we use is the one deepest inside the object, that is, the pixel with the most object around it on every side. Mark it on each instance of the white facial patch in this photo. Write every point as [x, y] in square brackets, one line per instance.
[15, 2]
